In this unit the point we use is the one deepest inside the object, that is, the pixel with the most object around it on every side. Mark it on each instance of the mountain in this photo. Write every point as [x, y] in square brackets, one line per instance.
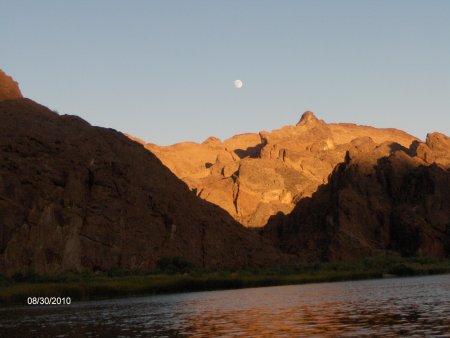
[74, 196]
[257, 175]
[375, 205]
[327, 191]
[9, 89]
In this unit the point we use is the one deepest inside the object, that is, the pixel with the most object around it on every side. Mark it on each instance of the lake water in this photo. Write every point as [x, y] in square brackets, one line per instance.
[417, 306]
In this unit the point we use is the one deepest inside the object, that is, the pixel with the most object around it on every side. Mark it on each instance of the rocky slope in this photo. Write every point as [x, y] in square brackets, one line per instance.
[375, 205]
[9, 89]
[74, 196]
[255, 176]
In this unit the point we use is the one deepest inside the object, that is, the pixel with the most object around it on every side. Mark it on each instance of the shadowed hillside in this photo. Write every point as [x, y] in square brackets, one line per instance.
[374, 205]
[73, 196]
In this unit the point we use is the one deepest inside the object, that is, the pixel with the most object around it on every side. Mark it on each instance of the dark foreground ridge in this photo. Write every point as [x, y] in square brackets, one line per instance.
[75, 197]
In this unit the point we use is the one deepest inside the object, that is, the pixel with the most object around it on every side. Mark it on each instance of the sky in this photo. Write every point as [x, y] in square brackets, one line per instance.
[164, 70]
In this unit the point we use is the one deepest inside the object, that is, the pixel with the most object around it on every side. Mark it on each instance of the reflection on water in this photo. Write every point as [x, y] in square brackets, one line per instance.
[418, 306]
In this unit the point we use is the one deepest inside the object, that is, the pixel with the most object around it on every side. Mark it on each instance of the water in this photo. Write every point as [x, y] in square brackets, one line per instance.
[418, 306]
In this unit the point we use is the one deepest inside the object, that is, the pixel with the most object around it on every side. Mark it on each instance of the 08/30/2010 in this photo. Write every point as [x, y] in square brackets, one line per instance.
[49, 300]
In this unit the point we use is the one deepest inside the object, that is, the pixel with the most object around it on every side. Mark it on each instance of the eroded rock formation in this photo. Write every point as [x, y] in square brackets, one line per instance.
[255, 176]
[374, 205]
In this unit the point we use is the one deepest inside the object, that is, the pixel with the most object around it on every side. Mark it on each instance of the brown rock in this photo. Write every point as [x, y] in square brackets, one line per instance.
[440, 146]
[9, 89]
[423, 152]
[371, 206]
[73, 196]
[308, 118]
[244, 145]
[254, 176]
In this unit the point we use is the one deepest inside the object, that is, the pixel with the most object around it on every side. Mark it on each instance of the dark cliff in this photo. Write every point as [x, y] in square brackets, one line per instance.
[74, 196]
[373, 205]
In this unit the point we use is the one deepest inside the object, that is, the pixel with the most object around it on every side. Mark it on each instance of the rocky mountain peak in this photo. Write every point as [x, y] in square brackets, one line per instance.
[9, 89]
[440, 145]
[212, 140]
[308, 117]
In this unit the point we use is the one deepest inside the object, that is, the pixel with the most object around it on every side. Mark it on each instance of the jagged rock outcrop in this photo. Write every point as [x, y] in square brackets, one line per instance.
[440, 148]
[373, 205]
[73, 196]
[254, 176]
[9, 89]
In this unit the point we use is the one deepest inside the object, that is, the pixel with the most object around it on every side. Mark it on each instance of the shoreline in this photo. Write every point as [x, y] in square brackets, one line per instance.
[88, 286]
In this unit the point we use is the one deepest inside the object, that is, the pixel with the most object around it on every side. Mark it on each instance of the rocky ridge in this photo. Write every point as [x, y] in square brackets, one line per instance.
[74, 197]
[374, 204]
[256, 175]
[9, 89]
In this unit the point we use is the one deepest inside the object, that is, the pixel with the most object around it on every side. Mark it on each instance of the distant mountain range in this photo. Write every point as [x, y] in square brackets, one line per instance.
[74, 196]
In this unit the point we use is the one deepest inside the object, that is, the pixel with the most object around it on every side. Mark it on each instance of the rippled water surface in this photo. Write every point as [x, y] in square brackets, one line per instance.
[418, 306]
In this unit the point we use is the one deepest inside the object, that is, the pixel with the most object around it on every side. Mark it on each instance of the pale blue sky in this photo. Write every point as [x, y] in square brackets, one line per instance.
[164, 70]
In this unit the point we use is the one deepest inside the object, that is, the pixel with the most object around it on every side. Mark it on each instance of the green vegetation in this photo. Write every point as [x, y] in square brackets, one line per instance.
[174, 265]
[177, 275]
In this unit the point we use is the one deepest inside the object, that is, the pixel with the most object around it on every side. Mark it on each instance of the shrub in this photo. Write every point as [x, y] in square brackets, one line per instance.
[174, 265]
[401, 270]
[27, 277]
[4, 280]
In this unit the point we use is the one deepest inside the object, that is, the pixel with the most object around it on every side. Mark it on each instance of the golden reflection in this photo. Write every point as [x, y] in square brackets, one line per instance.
[416, 306]
[305, 311]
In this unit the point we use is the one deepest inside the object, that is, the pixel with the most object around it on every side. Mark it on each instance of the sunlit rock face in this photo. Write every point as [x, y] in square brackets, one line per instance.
[327, 191]
[257, 175]
[9, 89]
[440, 148]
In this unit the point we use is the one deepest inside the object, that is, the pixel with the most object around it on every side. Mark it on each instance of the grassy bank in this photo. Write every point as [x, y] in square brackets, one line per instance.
[118, 283]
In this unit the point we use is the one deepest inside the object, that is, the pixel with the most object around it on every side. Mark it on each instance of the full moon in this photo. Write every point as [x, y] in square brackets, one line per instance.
[238, 84]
